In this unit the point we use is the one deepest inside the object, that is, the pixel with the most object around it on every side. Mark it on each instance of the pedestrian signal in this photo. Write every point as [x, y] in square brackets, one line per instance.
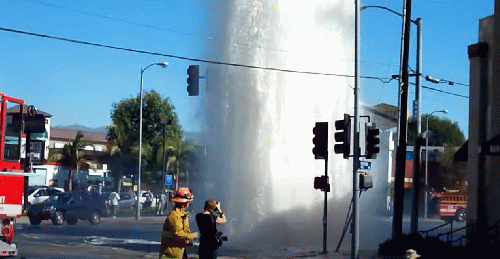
[321, 183]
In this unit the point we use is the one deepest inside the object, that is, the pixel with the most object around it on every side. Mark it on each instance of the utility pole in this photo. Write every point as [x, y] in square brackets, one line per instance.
[355, 167]
[397, 224]
[418, 139]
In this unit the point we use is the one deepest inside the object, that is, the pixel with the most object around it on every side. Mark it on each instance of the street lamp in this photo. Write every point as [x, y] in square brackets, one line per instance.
[427, 159]
[161, 64]
[418, 83]
[397, 223]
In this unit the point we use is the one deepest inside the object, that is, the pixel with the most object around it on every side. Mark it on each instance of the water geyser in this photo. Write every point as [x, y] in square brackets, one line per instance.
[259, 123]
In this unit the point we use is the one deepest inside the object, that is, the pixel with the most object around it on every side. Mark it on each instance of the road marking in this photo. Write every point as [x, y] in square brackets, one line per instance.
[99, 240]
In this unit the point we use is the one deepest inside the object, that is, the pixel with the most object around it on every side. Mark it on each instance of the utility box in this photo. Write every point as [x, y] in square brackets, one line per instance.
[365, 181]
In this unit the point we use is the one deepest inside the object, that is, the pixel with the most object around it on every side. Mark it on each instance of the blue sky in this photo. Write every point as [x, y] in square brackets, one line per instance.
[78, 83]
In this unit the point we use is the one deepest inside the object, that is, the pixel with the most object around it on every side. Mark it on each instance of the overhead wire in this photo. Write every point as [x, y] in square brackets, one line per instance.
[383, 80]
[174, 56]
[68, 9]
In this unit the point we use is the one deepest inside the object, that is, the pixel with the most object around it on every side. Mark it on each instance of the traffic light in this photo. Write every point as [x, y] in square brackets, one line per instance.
[193, 80]
[372, 141]
[320, 140]
[321, 183]
[343, 136]
[34, 123]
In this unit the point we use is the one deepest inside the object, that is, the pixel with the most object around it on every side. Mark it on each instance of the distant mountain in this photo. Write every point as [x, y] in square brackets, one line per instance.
[103, 129]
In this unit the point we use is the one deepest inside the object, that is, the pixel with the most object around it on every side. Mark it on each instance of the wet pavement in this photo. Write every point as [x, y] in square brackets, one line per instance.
[125, 237]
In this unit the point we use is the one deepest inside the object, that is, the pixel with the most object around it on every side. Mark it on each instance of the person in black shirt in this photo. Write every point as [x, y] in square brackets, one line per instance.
[207, 225]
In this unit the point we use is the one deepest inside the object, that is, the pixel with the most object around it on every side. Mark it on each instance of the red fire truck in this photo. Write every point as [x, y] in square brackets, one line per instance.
[453, 206]
[11, 173]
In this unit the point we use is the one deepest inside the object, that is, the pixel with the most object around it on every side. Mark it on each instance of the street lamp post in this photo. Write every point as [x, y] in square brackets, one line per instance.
[427, 160]
[418, 86]
[162, 64]
[418, 74]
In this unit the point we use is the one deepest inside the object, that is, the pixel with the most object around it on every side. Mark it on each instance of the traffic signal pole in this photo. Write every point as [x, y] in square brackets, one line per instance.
[320, 151]
[325, 210]
[356, 149]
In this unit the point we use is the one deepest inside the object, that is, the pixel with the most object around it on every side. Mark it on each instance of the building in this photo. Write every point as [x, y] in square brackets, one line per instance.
[483, 145]
[384, 167]
[94, 172]
[39, 146]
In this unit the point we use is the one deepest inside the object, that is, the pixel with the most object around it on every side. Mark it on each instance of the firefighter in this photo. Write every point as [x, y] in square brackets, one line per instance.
[176, 234]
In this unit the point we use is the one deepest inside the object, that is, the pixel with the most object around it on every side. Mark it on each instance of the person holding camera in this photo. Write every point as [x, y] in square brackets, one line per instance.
[210, 238]
[176, 234]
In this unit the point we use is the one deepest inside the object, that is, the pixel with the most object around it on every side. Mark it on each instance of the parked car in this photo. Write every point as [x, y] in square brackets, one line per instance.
[69, 207]
[147, 199]
[38, 194]
[127, 201]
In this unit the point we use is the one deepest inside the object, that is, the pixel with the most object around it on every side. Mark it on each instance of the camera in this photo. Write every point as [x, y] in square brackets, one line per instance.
[223, 238]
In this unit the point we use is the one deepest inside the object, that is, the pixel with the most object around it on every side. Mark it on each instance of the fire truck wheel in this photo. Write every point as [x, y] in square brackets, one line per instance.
[460, 217]
[34, 220]
[58, 218]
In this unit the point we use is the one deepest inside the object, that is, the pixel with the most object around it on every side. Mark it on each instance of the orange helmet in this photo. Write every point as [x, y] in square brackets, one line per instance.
[183, 195]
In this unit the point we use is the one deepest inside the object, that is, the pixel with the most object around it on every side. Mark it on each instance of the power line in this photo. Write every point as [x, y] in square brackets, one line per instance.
[445, 92]
[383, 80]
[74, 10]
[100, 16]
[388, 80]
[170, 56]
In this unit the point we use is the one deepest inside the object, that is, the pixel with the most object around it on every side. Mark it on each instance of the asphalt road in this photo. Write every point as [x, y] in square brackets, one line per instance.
[112, 238]
[129, 238]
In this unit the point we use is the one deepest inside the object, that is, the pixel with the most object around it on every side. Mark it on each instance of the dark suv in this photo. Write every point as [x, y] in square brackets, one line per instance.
[69, 206]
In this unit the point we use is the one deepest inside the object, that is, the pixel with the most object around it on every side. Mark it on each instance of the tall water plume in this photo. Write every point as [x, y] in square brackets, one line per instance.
[259, 122]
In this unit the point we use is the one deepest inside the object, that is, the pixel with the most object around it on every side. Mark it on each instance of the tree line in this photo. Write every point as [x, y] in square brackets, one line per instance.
[164, 149]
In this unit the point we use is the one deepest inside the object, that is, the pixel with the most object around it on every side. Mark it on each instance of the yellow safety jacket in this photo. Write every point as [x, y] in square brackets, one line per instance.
[176, 234]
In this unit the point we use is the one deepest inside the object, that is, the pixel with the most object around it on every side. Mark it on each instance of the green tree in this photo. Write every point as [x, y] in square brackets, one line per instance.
[445, 132]
[72, 158]
[178, 154]
[452, 176]
[124, 133]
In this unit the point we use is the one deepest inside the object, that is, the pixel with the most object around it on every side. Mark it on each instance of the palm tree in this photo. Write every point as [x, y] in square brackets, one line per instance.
[71, 158]
[177, 151]
[119, 156]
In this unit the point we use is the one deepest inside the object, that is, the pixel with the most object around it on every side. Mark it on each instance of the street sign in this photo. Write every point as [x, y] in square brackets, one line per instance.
[415, 109]
[365, 165]
[168, 179]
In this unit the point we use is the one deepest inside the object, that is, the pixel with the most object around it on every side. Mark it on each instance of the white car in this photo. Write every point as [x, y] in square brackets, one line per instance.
[144, 197]
[38, 194]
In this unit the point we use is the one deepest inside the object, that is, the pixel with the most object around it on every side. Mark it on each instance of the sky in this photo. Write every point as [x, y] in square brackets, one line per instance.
[78, 83]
